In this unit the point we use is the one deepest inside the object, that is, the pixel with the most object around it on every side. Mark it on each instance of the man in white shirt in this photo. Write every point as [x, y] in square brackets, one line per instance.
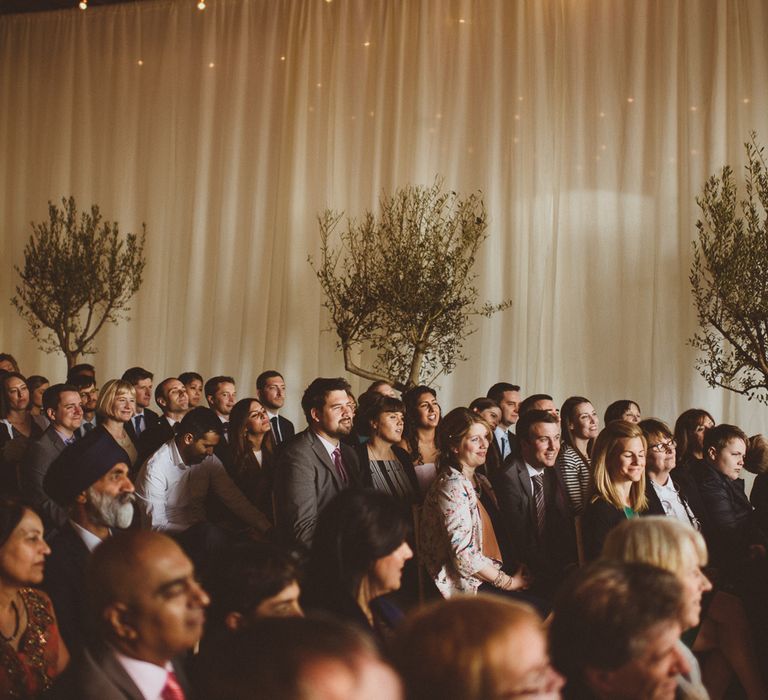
[508, 397]
[151, 610]
[175, 481]
[89, 481]
[270, 387]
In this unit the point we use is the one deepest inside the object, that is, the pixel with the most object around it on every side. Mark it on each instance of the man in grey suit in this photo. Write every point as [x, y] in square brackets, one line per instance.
[532, 501]
[150, 609]
[315, 465]
[61, 403]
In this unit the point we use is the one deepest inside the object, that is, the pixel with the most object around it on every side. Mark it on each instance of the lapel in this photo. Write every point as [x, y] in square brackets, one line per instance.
[54, 439]
[322, 454]
[117, 675]
[525, 479]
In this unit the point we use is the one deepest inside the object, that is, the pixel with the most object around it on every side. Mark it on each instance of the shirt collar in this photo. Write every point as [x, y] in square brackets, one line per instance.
[329, 446]
[149, 678]
[90, 540]
[176, 455]
[533, 472]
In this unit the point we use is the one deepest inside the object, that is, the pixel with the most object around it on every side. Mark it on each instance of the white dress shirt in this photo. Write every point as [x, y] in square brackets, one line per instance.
[90, 540]
[502, 440]
[173, 494]
[149, 678]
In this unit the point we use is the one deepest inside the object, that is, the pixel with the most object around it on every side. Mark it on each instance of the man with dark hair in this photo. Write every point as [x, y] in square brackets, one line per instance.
[508, 397]
[297, 659]
[542, 402]
[89, 396]
[221, 394]
[144, 417]
[193, 383]
[89, 480]
[62, 407]
[175, 482]
[83, 369]
[615, 633]
[315, 465]
[150, 610]
[532, 500]
[270, 387]
[171, 397]
[248, 582]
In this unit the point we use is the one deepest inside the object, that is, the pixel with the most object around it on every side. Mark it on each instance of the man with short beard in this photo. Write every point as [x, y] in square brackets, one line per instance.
[315, 465]
[90, 481]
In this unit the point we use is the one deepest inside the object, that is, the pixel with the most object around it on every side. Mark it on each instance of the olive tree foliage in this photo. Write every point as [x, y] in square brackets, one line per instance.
[401, 282]
[729, 279]
[78, 274]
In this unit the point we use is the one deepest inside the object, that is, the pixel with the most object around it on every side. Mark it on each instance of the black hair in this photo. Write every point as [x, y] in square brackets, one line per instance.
[615, 411]
[187, 377]
[212, 385]
[136, 374]
[527, 403]
[198, 422]
[11, 513]
[497, 391]
[52, 395]
[261, 380]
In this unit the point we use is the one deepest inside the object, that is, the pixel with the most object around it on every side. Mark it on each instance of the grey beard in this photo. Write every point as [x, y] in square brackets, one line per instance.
[112, 511]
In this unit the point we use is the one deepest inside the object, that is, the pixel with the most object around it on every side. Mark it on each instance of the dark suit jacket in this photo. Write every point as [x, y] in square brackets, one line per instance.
[598, 519]
[549, 555]
[366, 478]
[65, 584]
[305, 481]
[38, 459]
[156, 433]
[150, 418]
[96, 674]
[287, 430]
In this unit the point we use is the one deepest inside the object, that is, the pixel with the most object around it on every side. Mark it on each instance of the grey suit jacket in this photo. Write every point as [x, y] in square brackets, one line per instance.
[98, 675]
[40, 455]
[305, 481]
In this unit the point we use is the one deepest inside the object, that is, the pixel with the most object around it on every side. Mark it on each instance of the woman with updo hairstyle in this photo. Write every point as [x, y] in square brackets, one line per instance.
[714, 623]
[481, 648]
[464, 543]
[32, 653]
[115, 406]
[623, 409]
[579, 426]
[690, 427]
[384, 465]
[253, 448]
[422, 416]
[358, 552]
[618, 472]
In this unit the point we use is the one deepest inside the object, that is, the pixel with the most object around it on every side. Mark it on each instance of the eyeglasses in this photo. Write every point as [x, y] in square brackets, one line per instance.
[665, 446]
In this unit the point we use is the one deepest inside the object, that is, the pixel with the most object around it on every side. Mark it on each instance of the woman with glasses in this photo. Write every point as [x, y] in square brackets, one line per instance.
[666, 494]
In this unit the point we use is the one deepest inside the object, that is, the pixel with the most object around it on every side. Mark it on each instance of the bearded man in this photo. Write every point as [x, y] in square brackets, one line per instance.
[90, 481]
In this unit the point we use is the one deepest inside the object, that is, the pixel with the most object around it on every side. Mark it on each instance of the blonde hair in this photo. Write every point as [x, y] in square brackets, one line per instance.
[657, 540]
[109, 392]
[756, 459]
[447, 649]
[607, 448]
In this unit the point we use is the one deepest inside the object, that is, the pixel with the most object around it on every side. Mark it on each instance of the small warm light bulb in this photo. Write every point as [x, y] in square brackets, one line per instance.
[83, 4]
[201, 5]
[140, 62]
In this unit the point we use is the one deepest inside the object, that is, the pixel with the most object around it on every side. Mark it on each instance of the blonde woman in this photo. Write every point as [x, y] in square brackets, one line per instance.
[115, 406]
[717, 631]
[618, 463]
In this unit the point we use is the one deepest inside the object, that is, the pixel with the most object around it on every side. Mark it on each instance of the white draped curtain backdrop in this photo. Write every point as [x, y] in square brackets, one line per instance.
[589, 126]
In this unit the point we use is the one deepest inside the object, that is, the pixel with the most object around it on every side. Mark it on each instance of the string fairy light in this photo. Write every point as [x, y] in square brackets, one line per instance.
[83, 5]
[201, 5]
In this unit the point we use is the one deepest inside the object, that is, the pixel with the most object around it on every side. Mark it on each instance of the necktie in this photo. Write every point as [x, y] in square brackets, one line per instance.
[503, 447]
[339, 464]
[276, 429]
[87, 427]
[69, 441]
[225, 430]
[538, 496]
[172, 689]
[137, 424]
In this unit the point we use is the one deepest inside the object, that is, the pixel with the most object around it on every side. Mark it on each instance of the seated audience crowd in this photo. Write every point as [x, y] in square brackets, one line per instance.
[388, 550]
